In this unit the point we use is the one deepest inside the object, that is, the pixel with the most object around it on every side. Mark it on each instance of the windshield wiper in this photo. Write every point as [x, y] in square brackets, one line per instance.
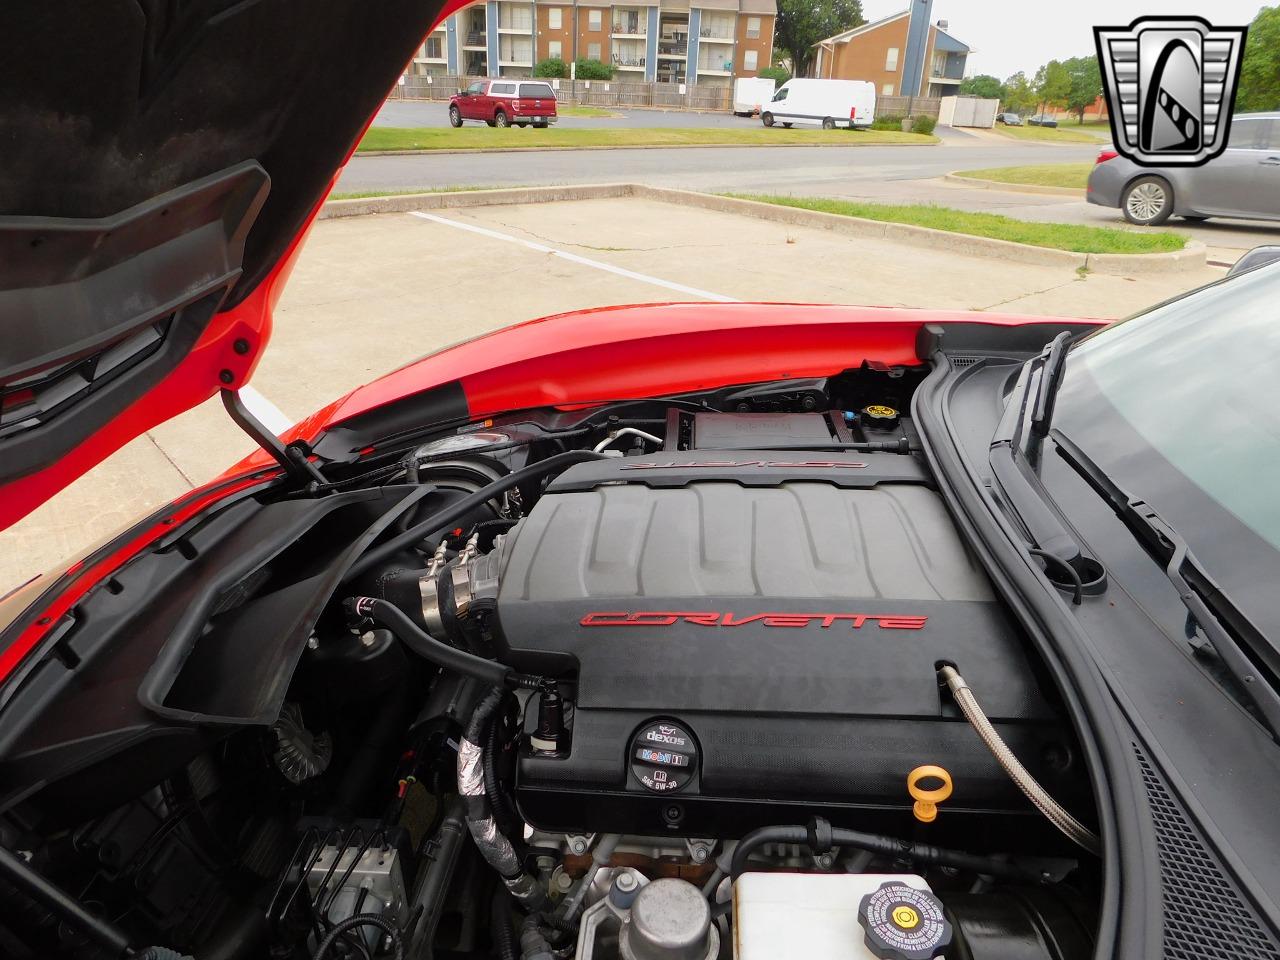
[1208, 605]
[1055, 361]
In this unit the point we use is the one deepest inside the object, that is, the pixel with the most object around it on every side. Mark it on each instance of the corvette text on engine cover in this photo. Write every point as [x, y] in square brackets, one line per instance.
[711, 618]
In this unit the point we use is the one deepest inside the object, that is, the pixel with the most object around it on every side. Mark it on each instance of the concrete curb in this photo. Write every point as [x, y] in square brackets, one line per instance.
[931, 142]
[981, 184]
[1120, 264]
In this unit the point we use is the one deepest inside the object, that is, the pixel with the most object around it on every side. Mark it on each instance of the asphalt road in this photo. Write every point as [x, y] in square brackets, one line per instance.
[888, 174]
[429, 113]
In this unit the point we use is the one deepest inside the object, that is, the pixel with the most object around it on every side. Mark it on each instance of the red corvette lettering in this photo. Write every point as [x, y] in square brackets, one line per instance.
[712, 618]
[721, 464]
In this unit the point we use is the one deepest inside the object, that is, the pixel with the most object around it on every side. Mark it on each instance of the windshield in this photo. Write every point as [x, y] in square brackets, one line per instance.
[1181, 406]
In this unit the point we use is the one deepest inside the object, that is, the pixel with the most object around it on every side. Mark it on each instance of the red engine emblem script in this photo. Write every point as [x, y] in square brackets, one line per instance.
[712, 618]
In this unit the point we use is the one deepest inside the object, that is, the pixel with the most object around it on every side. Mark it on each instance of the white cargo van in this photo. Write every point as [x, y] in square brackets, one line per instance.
[750, 94]
[824, 103]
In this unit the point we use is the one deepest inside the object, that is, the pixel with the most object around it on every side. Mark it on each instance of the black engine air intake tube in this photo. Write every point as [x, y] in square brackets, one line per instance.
[460, 508]
[1053, 811]
[820, 834]
[490, 841]
[425, 645]
[434, 651]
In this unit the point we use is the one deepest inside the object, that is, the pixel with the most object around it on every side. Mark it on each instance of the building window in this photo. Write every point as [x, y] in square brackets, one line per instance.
[555, 19]
[753, 28]
[886, 90]
[555, 49]
[939, 64]
[593, 20]
[433, 49]
[593, 51]
[891, 59]
[749, 60]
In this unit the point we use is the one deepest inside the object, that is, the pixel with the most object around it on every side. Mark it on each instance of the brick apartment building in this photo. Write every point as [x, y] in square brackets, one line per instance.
[903, 54]
[678, 41]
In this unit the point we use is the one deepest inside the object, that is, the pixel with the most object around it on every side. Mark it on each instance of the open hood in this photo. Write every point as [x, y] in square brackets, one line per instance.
[162, 161]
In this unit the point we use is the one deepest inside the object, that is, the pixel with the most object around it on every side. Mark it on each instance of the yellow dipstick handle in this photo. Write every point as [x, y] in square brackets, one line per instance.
[926, 801]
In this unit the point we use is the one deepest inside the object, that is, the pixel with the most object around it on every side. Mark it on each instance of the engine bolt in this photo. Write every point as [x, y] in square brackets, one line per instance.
[564, 881]
[313, 642]
[367, 639]
[625, 882]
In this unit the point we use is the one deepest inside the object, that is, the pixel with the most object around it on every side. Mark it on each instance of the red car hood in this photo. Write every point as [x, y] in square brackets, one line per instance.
[162, 163]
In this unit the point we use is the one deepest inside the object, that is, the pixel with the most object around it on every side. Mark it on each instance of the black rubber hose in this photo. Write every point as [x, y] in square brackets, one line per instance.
[426, 646]
[503, 811]
[504, 935]
[887, 846]
[362, 920]
[19, 874]
[460, 508]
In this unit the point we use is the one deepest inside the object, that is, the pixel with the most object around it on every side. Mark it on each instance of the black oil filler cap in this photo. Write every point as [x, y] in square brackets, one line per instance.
[902, 923]
[663, 756]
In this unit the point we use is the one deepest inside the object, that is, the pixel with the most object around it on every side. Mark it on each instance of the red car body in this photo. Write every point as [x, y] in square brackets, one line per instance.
[505, 102]
[563, 360]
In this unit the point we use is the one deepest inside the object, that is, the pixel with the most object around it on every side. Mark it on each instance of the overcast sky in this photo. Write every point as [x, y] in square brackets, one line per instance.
[1013, 35]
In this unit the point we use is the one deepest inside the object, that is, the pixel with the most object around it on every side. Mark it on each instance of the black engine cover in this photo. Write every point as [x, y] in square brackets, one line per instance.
[788, 612]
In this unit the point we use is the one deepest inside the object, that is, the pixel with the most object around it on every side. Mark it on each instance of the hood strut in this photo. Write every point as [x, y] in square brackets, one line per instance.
[293, 457]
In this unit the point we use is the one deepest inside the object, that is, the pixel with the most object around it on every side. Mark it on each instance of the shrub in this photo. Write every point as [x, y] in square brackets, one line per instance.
[593, 70]
[887, 121]
[779, 74]
[923, 125]
[551, 67]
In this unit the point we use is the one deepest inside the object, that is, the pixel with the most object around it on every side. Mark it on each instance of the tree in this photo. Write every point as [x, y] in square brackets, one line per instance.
[802, 23]
[1019, 95]
[1260, 68]
[1086, 84]
[779, 75]
[551, 67]
[592, 70]
[983, 85]
[1052, 84]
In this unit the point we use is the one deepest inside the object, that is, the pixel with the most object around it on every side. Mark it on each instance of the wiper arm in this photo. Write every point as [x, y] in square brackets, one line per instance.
[1051, 369]
[1202, 597]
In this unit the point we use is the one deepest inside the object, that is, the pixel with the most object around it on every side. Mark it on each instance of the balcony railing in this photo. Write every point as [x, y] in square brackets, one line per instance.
[673, 48]
[475, 38]
[625, 29]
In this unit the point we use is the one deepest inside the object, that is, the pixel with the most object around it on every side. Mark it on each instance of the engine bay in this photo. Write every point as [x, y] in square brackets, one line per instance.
[693, 677]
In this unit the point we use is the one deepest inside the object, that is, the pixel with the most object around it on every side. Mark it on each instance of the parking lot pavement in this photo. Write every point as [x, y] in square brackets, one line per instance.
[435, 113]
[372, 293]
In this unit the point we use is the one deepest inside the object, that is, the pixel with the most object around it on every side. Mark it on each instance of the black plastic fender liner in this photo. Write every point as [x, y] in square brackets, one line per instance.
[1130, 876]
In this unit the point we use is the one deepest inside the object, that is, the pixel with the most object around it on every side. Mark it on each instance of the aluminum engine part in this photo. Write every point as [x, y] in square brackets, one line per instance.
[354, 881]
[665, 919]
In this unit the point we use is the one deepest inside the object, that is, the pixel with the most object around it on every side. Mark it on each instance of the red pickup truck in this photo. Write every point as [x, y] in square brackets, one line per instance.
[501, 103]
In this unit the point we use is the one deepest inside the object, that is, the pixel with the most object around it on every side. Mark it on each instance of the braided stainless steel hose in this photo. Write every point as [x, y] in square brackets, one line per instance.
[1053, 811]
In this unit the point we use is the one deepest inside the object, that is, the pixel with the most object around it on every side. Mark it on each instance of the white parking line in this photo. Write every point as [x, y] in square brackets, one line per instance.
[574, 258]
[271, 416]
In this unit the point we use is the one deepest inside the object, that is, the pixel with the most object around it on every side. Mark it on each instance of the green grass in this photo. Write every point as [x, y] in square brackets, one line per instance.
[370, 194]
[486, 138]
[1040, 174]
[1058, 236]
[1067, 134]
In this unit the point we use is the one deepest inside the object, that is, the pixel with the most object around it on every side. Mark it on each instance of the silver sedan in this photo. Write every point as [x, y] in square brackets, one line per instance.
[1244, 181]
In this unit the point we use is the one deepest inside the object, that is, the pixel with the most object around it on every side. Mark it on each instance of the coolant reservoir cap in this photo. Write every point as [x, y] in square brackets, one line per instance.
[903, 923]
